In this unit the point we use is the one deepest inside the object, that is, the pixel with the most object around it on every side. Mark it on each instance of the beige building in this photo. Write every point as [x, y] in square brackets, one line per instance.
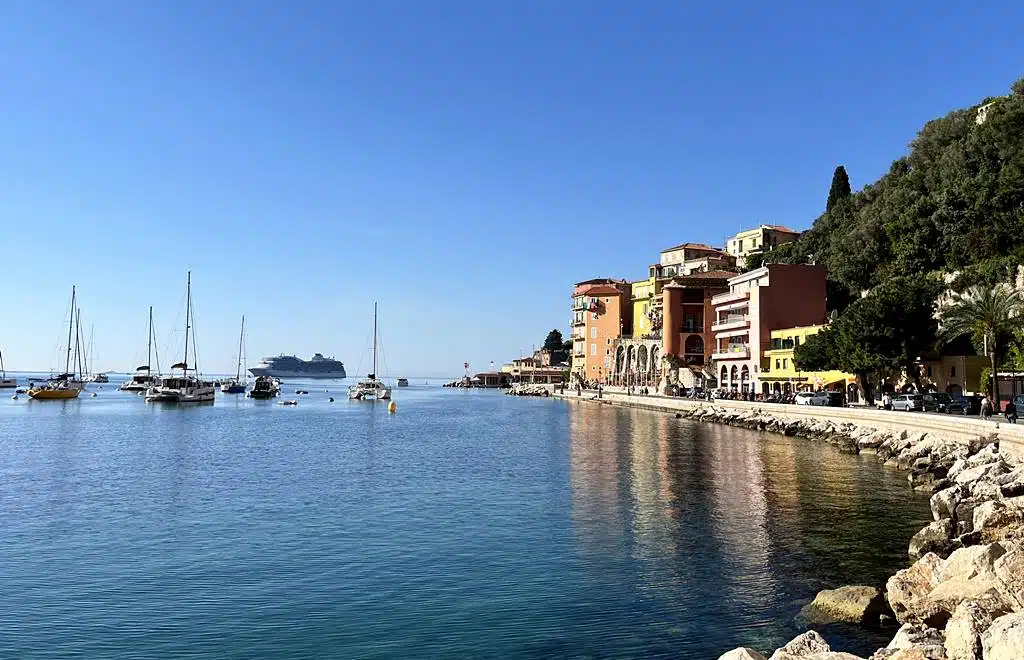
[691, 258]
[764, 238]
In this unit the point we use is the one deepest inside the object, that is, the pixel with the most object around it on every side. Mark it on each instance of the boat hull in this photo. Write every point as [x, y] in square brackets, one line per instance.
[8, 382]
[46, 393]
[306, 375]
[233, 388]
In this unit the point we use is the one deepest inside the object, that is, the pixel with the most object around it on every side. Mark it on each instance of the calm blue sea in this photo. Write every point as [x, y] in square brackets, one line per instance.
[467, 525]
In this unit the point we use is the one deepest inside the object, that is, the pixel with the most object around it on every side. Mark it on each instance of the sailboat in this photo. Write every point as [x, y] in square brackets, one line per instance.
[371, 387]
[98, 377]
[144, 378]
[65, 385]
[185, 388]
[240, 383]
[4, 380]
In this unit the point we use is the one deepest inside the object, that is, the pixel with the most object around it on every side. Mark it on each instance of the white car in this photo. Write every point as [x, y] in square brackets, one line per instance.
[812, 399]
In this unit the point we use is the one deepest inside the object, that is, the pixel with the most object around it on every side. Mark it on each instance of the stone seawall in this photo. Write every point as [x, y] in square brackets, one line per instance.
[963, 597]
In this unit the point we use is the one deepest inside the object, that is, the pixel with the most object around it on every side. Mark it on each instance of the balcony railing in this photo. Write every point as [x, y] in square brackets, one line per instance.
[730, 323]
[692, 327]
[733, 352]
[732, 296]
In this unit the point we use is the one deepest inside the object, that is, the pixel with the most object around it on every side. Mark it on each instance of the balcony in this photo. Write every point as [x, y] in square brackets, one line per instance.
[579, 305]
[730, 323]
[732, 352]
[691, 328]
[731, 297]
[575, 323]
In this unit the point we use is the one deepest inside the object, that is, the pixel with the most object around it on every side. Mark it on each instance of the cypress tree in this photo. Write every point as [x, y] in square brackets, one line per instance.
[840, 189]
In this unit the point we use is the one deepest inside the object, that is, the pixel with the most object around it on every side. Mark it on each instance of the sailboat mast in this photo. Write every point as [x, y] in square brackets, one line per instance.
[71, 322]
[92, 346]
[3, 373]
[188, 312]
[149, 348]
[79, 349]
[374, 340]
[238, 367]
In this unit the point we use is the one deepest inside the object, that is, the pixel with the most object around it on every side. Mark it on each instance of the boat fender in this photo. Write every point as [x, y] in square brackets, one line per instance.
[392, 407]
[14, 396]
[94, 394]
[331, 399]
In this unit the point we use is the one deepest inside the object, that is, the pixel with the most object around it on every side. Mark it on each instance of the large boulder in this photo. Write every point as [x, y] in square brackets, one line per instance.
[741, 654]
[908, 586]
[802, 646]
[986, 471]
[935, 537]
[970, 619]
[969, 563]
[943, 502]
[1009, 578]
[1004, 640]
[999, 520]
[853, 604]
[913, 640]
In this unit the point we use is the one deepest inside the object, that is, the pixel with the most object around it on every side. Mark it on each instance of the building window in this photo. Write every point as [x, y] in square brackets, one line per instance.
[593, 350]
[952, 371]
[594, 316]
[785, 363]
[593, 333]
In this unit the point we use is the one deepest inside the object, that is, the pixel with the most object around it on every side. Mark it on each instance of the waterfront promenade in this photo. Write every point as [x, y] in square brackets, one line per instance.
[1011, 436]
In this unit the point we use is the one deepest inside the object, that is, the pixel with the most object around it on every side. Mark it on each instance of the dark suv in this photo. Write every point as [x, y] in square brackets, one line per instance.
[937, 402]
[965, 405]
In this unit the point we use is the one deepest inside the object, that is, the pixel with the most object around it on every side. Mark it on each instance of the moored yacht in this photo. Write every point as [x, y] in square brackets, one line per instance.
[65, 385]
[186, 388]
[239, 384]
[144, 378]
[4, 380]
[265, 387]
[371, 388]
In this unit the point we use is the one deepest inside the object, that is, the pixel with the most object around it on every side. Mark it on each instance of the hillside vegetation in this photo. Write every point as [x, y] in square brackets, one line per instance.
[955, 202]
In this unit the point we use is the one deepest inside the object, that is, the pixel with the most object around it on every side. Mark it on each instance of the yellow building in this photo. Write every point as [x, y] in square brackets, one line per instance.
[759, 240]
[644, 294]
[779, 372]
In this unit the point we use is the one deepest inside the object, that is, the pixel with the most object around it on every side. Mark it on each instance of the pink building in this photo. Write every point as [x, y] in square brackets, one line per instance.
[770, 298]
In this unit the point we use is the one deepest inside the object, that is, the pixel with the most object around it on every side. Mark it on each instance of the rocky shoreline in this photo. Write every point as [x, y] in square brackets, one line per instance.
[963, 597]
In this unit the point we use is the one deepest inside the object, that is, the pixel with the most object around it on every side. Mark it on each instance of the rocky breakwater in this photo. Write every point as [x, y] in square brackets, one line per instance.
[529, 390]
[963, 597]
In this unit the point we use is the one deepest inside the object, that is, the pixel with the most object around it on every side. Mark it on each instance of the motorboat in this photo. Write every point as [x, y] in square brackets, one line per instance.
[403, 382]
[98, 378]
[190, 386]
[264, 387]
[371, 388]
[66, 385]
[239, 383]
[144, 378]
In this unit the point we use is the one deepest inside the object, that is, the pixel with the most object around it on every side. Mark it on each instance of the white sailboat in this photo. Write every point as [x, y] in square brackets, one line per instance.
[93, 377]
[144, 378]
[371, 388]
[4, 380]
[185, 388]
[241, 381]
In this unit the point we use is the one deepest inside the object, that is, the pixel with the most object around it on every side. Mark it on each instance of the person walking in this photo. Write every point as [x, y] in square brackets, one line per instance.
[986, 407]
[1010, 412]
[886, 401]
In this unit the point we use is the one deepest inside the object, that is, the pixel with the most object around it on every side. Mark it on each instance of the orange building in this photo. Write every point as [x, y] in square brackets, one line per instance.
[601, 313]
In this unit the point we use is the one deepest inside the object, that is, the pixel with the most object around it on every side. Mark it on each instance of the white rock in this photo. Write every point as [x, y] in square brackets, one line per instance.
[741, 654]
[802, 646]
[1004, 640]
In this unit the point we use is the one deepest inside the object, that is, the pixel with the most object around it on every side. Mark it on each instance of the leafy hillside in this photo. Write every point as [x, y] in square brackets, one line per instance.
[955, 202]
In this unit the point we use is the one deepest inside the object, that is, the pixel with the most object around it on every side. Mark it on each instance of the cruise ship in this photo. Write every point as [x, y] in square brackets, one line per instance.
[289, 366]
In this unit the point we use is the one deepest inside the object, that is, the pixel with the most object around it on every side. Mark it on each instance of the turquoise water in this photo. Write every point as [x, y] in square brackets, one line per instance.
[467, 525]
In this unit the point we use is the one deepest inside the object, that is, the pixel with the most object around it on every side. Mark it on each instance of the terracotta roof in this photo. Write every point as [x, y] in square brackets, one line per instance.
[601, 280]
[782, 229]
[695, 246]
[601, 290]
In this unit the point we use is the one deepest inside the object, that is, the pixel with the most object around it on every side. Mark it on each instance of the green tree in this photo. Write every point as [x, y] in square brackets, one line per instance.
[840, 189]
[553, 342]
[989, 315]
[886, 330]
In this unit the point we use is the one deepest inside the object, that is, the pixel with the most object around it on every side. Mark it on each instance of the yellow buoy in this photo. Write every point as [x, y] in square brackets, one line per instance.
[392, 407]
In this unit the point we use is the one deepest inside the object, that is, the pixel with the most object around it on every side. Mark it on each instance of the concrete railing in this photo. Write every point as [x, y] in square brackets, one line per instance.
[1011, 436]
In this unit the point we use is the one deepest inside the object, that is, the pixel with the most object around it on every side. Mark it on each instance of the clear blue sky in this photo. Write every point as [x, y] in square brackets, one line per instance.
[462, 162]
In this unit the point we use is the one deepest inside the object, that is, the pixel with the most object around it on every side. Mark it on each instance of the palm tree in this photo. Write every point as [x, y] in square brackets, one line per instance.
[988, 315]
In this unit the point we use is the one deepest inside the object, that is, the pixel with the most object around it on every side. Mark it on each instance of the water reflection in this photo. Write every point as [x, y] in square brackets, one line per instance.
[730, 528]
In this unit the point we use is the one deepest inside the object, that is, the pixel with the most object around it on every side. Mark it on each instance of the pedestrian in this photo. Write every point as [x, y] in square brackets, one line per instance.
[986, 407]
[1010, 411]
[886, 401]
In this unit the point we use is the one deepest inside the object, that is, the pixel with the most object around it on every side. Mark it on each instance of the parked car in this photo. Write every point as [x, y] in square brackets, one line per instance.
[908, 402]
[937, 402]
[965, 405]
[812, 399]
